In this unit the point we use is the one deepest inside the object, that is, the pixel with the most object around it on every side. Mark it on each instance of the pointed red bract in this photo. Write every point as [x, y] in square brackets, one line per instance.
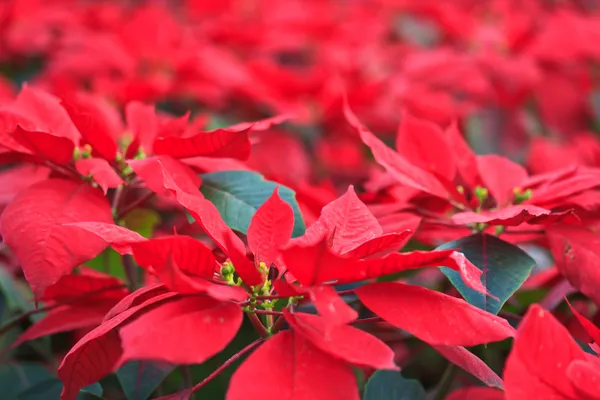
[400, 168]
[541, 354]
[346, 221]
[94, 128]
[97, 353]
[576, 252]
[474, 392]
[141, 120]
[425, 145]
[217, 143]
[331, 306]
[592, 330]
[433, 317]
[296, 370]
[56, 149]
[32, 226]
[101, 171]
[514, 216]
[501, 176]
[381, 245]
[149, 170]
[119, 238]
[270, 229]
[170, 332]
[342, 341]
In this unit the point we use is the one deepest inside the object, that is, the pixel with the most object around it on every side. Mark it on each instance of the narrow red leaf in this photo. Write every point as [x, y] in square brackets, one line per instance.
[170, 332]
[514, 216]
[468, 361]
[85, 285]
[296, 370]
[119, 238]
[101, 171]
[97, 353]
[247, 270]
[433, 317]
[32, 226]
[400, 168]
[592, 330]
[466, 160]
[135, 299]
[501, 176]
[270, 229]
[342, 341]
[56, 149]
[64, 319]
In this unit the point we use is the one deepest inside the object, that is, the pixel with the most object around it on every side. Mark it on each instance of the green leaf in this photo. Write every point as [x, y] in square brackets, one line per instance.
[51, 388]
[110, 262]
[238, 194]
[505, 267]
[142, 221]
[16, 378]
[390, 385]
[17, 298]
[140, 378]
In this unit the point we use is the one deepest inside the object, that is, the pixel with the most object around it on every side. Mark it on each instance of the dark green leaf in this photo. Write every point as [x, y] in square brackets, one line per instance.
[140, 378]
[51, 388]
[390, 385]
[505, 267]
[16, 378]
[238, 194]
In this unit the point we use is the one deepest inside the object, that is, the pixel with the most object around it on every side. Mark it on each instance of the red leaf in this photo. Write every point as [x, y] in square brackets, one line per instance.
[170, 332]
[45, 111]
[56, 149]
[479, 393]
[331, 306]
[191, 255]
[150, 172]
[141, 120]
[347, 221]
[562, 187]
[135, 299]
[576, 252]
[471, 363]
[592, 330]
[433, 317]
[400, 168]
[541, 354]
[185, 265]
[98, 352]
[90, 285]
[296, 370]
[585, 377]
[32, 226]
[342, 341]
[99, 169]
[270, 229]
[466, 160]
[64, 319]
[426, 146]
[513, 216]
[217, 143]
[18, 178]
[247, 270]
[93, 126]
[119, 238]
[501, 176]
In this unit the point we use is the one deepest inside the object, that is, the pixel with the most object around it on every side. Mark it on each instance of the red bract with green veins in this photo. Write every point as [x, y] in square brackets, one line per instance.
[412, 212]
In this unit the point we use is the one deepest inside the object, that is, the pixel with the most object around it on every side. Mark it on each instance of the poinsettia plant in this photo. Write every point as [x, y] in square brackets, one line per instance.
[299, 200]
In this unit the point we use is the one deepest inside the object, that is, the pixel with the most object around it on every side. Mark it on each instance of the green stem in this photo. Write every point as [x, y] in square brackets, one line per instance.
[446, 382]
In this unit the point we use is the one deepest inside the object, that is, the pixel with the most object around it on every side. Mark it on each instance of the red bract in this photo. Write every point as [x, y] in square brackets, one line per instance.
[565, 372]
